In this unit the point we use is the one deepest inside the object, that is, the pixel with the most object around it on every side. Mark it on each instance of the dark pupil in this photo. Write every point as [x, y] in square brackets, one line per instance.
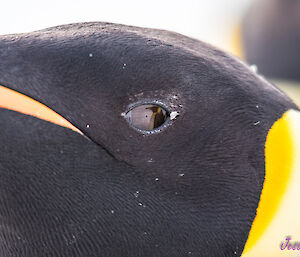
[147, 117]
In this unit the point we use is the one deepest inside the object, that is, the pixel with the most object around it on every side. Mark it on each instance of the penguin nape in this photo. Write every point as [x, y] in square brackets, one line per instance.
[123, 141]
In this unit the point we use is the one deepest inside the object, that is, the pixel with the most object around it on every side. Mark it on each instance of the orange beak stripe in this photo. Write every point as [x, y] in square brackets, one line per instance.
[15, 101]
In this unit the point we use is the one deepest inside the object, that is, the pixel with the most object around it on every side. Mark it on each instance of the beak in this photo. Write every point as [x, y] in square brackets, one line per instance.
[15, 101]
[277, 223]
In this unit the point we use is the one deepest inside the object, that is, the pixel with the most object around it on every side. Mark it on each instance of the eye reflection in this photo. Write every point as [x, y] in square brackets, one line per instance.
[147, 117]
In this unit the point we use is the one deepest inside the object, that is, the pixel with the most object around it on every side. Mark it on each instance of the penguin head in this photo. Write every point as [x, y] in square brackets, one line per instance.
[166, 151]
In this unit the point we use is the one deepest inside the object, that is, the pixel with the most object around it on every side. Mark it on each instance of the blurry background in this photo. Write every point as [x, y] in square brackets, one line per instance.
[216, 21]
[211, 21]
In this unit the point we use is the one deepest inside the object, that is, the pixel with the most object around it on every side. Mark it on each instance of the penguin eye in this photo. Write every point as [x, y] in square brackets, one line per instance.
[147, 117]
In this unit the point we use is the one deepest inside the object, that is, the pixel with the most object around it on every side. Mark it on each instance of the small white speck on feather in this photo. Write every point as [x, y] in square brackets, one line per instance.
[87, 125]
[90, 55]
[136, 194]
[256, 123]
[173, 115]
[253, 68]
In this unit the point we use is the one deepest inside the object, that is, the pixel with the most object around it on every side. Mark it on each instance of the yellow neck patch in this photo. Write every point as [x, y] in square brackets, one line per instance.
[12, 100]
[278, 213]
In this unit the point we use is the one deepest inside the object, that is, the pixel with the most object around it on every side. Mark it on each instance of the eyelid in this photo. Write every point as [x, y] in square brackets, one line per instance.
[147, 102]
